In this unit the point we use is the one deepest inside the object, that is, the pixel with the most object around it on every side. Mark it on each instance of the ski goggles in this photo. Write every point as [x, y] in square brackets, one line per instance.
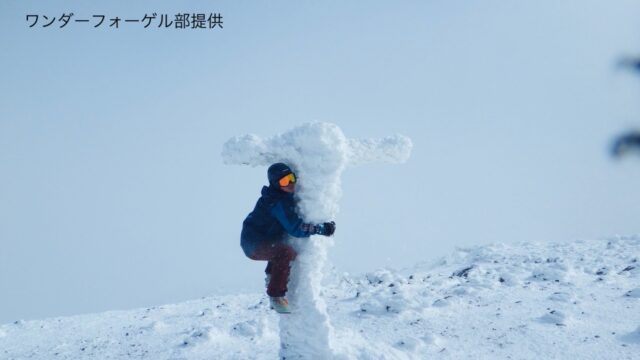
[291, 178]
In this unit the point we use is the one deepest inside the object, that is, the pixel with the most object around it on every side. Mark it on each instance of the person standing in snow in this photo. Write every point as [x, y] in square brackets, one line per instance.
[265, 232]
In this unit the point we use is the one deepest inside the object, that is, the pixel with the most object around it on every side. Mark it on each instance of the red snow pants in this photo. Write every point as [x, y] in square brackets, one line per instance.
[279, 256]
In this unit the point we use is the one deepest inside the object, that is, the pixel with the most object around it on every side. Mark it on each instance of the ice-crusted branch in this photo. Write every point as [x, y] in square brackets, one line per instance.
[247, 150]
[253, 151]
[391, 149]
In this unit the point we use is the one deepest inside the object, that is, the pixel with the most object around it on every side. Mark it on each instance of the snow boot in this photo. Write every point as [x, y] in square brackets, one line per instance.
[280, 304]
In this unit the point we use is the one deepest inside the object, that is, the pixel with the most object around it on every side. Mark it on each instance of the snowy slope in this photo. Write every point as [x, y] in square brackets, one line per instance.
[576, 300]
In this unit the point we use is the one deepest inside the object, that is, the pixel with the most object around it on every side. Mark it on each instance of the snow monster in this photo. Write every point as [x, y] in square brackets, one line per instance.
[317, 153]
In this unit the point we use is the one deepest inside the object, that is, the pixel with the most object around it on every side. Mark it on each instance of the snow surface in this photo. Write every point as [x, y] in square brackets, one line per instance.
[574, 300]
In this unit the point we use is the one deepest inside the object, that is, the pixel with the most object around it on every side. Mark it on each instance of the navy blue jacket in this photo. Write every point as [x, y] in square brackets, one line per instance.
[271, 220]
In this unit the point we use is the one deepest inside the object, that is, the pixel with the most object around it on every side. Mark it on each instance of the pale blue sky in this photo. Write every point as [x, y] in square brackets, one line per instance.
[113, 194]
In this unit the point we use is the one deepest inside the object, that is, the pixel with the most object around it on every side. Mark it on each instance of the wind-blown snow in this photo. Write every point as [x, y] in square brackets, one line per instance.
[574, 300]
[318, 153]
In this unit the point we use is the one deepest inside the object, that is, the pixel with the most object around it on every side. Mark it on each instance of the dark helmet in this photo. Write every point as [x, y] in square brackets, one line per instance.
[276, 172]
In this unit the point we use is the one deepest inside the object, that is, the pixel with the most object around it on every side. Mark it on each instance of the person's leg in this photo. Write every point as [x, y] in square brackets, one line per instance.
[279, 256]
[267, 272]
[280, 269]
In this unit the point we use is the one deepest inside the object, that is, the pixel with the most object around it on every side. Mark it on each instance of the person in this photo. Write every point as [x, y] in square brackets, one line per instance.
[265, 232]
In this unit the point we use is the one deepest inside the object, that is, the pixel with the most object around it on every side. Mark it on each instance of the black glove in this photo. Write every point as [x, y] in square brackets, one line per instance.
[327, 229]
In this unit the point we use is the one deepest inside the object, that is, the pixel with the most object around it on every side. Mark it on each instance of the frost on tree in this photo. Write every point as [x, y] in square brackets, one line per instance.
[317, 153]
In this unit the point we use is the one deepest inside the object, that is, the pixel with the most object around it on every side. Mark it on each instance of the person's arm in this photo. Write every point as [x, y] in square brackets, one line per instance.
[295, 226]
[291, 222]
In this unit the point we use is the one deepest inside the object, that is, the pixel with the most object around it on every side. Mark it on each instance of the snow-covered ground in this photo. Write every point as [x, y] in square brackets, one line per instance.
[574, 300]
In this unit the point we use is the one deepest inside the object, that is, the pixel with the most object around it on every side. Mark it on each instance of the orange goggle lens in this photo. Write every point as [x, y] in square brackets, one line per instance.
[287, 179]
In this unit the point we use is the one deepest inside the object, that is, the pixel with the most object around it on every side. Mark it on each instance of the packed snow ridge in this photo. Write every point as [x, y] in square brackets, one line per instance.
[573, 300]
